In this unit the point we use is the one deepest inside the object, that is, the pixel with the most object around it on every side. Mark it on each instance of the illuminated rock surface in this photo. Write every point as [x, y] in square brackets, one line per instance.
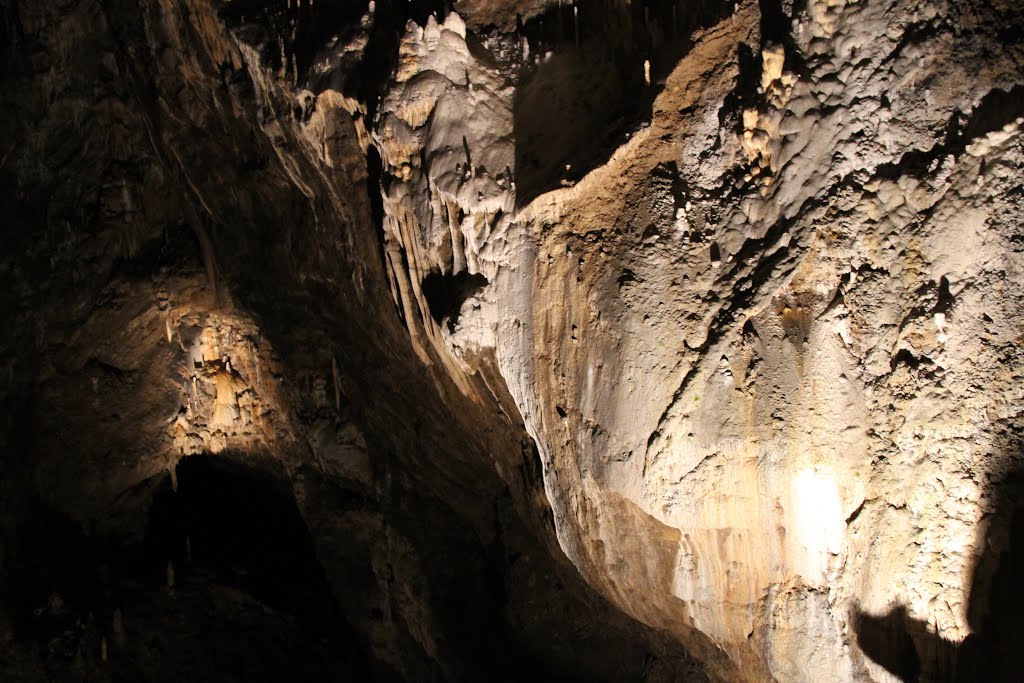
[525, 341]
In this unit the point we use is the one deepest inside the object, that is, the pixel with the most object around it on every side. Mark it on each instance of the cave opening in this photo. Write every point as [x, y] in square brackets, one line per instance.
[223, 583]
[241, 527]
[232, 551]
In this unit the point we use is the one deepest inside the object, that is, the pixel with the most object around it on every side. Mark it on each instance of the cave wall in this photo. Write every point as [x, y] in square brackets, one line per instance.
[573, 335]
[193, 269]
[767, 349]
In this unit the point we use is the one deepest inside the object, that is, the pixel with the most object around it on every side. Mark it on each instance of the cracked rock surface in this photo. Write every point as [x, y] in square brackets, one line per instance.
[594, 340]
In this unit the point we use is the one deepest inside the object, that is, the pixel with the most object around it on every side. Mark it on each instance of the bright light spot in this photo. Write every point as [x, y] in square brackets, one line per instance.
[817, 518]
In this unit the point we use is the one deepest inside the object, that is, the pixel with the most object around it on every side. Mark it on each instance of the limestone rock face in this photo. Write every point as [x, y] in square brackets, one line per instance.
[223, 458]
[768, 349]
[512, 341]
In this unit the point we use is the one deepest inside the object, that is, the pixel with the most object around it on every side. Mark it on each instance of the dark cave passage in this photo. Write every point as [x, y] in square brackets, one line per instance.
[224, 586]
[242, 527]
[230, 551]
[446, 293]
[231, 573]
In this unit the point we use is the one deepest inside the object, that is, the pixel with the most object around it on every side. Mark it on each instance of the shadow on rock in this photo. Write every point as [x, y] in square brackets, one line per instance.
[909, 649]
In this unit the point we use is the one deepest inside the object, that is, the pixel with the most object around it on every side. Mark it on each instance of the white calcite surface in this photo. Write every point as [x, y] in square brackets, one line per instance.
[770, 353]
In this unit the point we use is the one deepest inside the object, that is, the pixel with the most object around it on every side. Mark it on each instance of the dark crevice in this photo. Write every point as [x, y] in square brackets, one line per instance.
[856, 513]
[919, 32]
[745, 94]
[445, 294]
[907, 358]
[588, 92]
[374, 175]
[996, 109]
[626, 277]
[368, 82]
[776, 25]
[669, 172]
[715, 253]
[945, 299]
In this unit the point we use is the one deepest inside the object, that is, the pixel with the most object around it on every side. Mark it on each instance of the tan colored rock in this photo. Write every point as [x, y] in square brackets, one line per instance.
[754, 436]
[767, 350]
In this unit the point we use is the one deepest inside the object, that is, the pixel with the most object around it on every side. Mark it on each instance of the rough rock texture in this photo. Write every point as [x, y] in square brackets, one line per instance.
[386, 341]
[222, 458]
[770, 349]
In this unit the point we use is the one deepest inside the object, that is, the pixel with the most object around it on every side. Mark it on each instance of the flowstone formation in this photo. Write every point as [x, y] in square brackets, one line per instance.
[769, 349]
[512, 340]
